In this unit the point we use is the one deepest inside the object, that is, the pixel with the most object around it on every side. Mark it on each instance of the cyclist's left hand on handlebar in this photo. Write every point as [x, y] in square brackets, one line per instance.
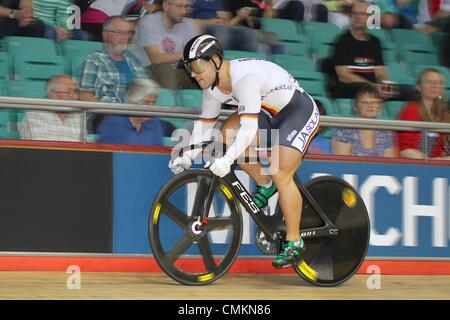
[180, 164]
[221, 166]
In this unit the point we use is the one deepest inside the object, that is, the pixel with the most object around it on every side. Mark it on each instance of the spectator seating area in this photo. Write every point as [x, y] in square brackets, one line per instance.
[26, 63]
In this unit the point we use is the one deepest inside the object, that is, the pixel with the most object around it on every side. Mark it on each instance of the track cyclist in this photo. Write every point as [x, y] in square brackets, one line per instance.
[269, 98]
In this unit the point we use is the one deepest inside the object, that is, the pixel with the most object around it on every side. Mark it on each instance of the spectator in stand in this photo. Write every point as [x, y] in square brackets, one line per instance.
[16, 19]
[56, 16]
[407, 8]
[213, 17]
[437, 14]
[339, 12]
[320, 144]
[247, 13]
[134, 130]
[365, 142]
[98, 12]
[390, 17]
[429, 106]
[160, 40]
[56, 126]
[105, 74]
[298, 11]
[358, 61]
[83, 4]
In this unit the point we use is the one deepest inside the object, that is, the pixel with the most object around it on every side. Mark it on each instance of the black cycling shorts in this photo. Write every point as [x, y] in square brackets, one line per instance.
[296, 124]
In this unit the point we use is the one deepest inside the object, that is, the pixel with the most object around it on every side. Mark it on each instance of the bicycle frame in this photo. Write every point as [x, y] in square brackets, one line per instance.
[268, 224]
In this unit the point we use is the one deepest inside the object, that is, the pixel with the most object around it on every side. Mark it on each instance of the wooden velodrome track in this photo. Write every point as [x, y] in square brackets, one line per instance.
[234, 286]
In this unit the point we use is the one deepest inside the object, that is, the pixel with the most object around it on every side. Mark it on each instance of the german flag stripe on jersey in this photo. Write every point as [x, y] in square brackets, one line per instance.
[207, 120]
[271, 109]
[250, 116]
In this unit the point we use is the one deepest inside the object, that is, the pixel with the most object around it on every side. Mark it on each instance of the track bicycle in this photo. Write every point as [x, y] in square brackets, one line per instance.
[199, 214]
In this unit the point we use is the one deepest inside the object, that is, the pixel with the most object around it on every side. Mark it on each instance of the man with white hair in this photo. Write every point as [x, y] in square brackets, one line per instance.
[56, 126]
[118, 129]
[105, 74]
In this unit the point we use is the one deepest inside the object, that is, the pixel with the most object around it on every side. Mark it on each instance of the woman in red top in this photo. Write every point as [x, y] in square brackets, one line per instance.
[429, 107]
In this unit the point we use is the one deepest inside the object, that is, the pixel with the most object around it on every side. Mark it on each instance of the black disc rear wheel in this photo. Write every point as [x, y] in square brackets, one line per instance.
[331, 260]
[187, 254]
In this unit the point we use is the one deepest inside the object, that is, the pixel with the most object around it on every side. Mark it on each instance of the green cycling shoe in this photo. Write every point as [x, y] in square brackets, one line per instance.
[290, 254]
[262, 195]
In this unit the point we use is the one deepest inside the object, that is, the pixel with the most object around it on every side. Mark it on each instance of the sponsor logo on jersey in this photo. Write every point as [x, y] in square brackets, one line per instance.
[301, 140]
[291, 135]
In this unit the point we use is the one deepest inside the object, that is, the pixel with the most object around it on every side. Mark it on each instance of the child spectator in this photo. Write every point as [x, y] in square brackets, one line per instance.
[365, 142]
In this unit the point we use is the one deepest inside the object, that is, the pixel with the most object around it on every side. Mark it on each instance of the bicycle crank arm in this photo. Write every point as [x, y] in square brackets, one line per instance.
[318, 232]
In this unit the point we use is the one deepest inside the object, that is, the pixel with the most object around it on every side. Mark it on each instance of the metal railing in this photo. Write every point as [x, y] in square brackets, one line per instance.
[86, 107]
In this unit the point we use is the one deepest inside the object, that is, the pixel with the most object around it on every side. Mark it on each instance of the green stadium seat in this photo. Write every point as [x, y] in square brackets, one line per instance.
[327, 104]
[401, 36]
[380, 33]
[25, 89]
[412, 57]
[313, 87]
[316, 28]
[437, 38]
[75, 64]
[2, 48]
[2, 87]
[18, 88]
[286, 30]
[344, 107]
[37, 67]
[8, 124]
[319, 33]
[189, 98]
[399, 73]
[297, 48]
[4, 66]
[78, 48]
[239, 54]
[295, 65]
[384, 114]
[166, 98]
[38, 46]
[393, 108]
[389, 56]
[388, 46]
[324, 50]
[417, 52]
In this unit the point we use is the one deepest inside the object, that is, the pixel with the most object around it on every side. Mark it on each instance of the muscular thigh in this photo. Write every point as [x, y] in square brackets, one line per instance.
[284, 161]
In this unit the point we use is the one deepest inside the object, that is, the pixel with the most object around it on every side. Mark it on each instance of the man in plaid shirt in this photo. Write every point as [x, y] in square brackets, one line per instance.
[105, 74]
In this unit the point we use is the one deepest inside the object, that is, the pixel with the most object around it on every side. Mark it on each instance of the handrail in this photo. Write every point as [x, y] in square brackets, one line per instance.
[192, 113]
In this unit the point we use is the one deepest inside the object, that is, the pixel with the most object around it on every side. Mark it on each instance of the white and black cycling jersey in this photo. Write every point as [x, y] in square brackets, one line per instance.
[258, 87]
[256, 84]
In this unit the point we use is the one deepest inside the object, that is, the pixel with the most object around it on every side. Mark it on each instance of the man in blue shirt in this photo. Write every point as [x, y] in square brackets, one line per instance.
[134, 130]
[215, 18]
